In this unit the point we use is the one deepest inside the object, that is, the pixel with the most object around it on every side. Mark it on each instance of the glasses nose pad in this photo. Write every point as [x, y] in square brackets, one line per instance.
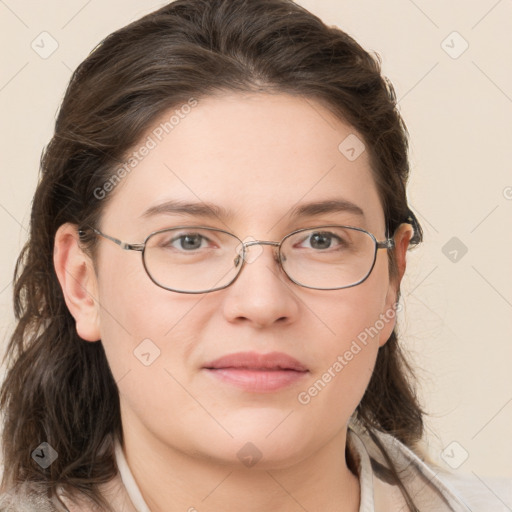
[242, 253]
[237, 260]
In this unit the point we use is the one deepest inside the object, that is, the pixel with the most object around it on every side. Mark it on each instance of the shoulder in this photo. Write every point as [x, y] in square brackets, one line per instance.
[479, 493]
[434, 487]
[28, 497]
[33, 497]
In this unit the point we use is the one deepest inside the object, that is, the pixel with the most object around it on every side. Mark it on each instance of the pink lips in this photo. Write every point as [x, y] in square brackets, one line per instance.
[255, 372]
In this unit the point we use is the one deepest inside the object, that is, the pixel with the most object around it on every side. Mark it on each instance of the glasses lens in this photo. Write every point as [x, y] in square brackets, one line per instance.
[198, 260]
[192, 259]
[328, 257]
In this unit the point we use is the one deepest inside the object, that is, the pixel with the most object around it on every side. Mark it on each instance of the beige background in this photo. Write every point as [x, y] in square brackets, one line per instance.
[457, 322]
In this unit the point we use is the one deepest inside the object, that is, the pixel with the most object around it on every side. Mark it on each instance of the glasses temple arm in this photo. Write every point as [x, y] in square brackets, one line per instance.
[123, 245]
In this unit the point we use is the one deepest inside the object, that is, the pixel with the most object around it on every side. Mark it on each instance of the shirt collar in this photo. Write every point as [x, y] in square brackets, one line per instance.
[129, 482]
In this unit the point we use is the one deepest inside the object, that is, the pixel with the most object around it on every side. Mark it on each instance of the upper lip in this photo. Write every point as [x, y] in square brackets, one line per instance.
[256, 361]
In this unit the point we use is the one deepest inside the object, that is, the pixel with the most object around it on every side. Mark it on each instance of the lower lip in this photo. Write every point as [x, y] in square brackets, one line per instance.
[257, 381]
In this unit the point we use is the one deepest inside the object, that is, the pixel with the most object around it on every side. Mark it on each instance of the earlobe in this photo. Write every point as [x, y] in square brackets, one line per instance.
[77, 279]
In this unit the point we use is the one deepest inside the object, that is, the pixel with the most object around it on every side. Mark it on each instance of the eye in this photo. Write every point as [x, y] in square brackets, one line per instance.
[184, 242]
[323, 240]
[189, 241]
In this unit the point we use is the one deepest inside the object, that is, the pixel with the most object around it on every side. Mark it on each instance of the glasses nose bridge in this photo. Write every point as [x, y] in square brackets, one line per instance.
[261, 242]
[264, 242]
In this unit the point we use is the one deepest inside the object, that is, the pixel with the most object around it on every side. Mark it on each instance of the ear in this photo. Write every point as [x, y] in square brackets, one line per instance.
[402, 237]
[77, 279]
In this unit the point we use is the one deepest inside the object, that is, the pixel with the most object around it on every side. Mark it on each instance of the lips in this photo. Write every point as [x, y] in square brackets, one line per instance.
[257, 373]
[255, 361]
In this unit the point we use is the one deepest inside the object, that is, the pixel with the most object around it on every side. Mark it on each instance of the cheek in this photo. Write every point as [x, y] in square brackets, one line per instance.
[147, 339]
[144, 328]
[347, 355]
[352, 323]
[355, 314]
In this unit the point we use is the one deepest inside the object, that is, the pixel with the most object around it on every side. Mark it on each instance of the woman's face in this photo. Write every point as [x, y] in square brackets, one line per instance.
[259, 157]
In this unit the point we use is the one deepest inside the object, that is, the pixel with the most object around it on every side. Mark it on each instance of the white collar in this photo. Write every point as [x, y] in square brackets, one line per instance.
[129, 482]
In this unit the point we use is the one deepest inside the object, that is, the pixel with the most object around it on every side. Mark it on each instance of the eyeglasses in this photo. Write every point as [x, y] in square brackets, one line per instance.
[198, 259]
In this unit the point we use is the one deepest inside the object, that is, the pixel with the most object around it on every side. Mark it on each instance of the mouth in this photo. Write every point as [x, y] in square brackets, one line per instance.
[273, 361]
[258, 373]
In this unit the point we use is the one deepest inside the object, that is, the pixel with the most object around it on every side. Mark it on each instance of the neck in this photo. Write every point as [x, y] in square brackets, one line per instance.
[171, 480]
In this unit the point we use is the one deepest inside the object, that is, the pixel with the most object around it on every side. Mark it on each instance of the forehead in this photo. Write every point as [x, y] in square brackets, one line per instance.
[259, 157]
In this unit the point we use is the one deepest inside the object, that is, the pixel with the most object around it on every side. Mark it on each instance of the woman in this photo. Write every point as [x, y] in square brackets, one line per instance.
[248, 357]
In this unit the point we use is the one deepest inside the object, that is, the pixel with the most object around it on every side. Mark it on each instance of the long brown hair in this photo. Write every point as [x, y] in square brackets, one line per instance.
[59, 388]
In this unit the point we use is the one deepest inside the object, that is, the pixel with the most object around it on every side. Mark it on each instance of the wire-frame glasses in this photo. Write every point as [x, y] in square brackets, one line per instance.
[199, 259]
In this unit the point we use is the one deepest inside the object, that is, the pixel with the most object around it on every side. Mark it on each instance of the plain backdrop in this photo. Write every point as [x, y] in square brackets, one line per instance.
[450, 63]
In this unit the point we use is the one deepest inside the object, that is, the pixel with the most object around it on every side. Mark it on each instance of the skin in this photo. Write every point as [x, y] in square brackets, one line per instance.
[258, 155]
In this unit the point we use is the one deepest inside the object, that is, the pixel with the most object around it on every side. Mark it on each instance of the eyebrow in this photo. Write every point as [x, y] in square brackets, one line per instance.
[313, 209]
[211, 210]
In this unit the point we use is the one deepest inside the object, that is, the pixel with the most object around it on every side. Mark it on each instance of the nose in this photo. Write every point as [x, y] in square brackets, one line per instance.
[262, 294]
